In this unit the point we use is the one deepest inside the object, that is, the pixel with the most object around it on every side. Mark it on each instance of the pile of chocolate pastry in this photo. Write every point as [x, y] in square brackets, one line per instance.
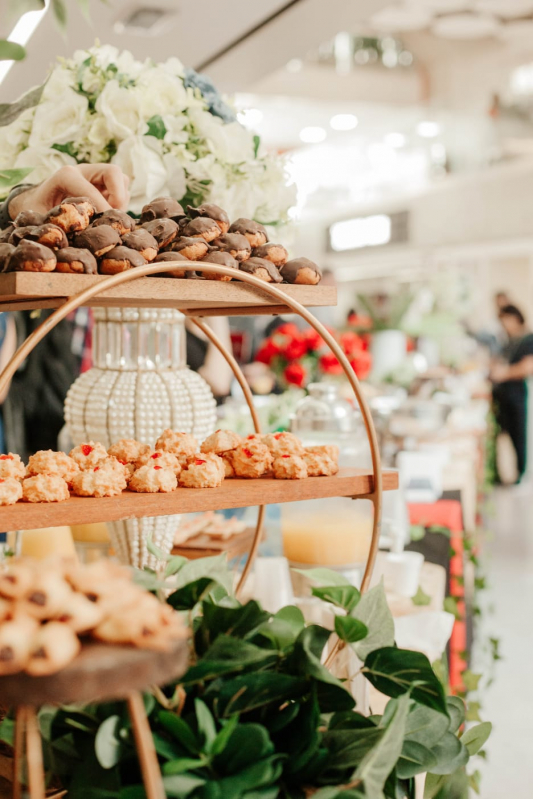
[73, 237]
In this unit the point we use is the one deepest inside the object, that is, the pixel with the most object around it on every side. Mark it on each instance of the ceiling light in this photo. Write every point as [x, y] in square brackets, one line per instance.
[466, 26]
[294, 65]
[427, 129]
[401, 18]
[507, 9]
[353, 234]
[343, 122]
[21, 34]
[395, 140]
[250, 117]
[312, 134]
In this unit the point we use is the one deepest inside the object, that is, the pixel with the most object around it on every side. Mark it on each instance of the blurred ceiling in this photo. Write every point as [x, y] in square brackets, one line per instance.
[236, 42]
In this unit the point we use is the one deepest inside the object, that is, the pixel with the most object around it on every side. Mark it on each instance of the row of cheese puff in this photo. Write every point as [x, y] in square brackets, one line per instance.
[92, 471]
[46, 606]
[72, 237]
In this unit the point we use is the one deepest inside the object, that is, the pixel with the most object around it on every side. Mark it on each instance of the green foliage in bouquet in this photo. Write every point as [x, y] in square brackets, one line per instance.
[258, 715]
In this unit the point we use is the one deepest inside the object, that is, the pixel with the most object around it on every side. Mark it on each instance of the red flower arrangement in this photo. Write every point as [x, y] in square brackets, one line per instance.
[299, 357]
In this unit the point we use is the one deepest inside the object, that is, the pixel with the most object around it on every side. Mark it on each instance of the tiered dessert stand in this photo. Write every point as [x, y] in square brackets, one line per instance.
[244, 295]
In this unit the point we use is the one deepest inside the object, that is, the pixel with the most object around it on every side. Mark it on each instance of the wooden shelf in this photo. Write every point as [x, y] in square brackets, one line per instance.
[29, 290]
[100, 672]
[204, 545]
[231, 494]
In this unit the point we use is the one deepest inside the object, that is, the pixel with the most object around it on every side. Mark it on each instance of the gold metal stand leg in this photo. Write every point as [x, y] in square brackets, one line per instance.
[144, 743]
[34, 749]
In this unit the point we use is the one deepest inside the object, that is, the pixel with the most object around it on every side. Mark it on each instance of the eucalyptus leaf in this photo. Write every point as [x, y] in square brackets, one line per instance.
[156, 551]
[206, 723]
[11, 177]
[174, 564]
[107, 745]
[179, 786]
[476, 737]
[60, 14]
[349, 629]
[381, 759]
[399, 671]
[342, 596]
[451, 754]
[16, 8]
[9, 112]
[324, 576]
[374, 612]
[215, 567]
[425, 725]
[11, 51]
[456, 711]
[415, 759]
[434, 784]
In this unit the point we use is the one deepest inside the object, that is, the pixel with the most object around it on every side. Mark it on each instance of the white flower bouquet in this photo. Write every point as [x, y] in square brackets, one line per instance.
[166, 126]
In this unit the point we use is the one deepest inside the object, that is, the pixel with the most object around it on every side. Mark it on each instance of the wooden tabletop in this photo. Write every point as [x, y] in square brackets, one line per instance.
[23, 290]
[234, 493]
[101, 672]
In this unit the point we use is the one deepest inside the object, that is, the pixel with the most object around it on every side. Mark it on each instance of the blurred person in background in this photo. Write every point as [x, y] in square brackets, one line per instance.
[509, 378]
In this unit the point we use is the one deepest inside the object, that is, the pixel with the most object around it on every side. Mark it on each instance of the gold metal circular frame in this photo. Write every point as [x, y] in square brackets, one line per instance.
[74, 302]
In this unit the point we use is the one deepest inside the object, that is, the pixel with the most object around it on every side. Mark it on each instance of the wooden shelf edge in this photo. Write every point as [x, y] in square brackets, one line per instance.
[356, 483]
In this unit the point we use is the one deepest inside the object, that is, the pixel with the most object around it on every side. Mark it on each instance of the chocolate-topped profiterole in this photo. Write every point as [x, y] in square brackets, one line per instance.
[262, 269]
[220, 259]
[162, 208]
[98, 240]
[238, 246]
[30, 256]
[272, 252]
[163, 230]
[72, 214]
[254, 232]
[5, 234]
[120, 259]
[173, 256]
[191, 247]
[211, 211]
[5, 253]
[120, 220]
[302, 271]
[76, 260]
[202, 226]
[29, 218]
[143, 242]
[48, 234]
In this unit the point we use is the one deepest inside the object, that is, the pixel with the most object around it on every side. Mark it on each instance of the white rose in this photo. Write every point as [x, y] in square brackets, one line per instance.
[121, 109]
[173, 66]
[44, 161]
[128, 65]
[230, 143]
[105, 55]
[176, 178]
[14, 137]
[61, 80]
[60, 120]
[91, 82]
[145, 168]
[161, 93]
[175, 127]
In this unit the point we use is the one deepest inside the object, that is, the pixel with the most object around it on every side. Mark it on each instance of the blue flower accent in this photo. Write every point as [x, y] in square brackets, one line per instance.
[215, 103]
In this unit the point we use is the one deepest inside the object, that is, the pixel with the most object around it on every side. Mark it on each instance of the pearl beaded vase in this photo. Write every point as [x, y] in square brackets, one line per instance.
[139, 385]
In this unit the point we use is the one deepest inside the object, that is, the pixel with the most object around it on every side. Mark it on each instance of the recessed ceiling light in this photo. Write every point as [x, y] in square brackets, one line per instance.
[250, 117]
[427, 129]
[395, 140]
[401, 18]
[313, 134]
[294, 65]
[343, 122]
[21, 34]
[466, 26]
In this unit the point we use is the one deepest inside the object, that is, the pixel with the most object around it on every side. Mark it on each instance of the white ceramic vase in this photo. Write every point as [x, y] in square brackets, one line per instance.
[139, 385]
[389, 348]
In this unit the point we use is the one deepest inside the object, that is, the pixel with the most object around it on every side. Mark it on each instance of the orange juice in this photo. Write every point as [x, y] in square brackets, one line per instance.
[47, 542]
[322, 538]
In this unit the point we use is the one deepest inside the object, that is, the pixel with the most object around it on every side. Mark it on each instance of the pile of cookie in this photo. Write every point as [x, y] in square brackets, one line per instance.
[45, 607]
[91, 470]
[72, 237]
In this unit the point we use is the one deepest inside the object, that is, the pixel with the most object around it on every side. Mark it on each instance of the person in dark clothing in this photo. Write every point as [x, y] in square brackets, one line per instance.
[510, 386]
